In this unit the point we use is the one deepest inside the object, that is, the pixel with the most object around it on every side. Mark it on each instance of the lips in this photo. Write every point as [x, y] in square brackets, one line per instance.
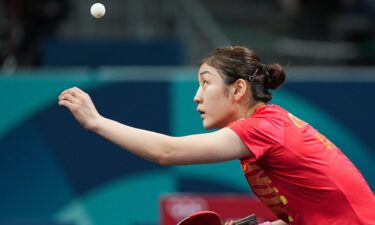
[201, 112]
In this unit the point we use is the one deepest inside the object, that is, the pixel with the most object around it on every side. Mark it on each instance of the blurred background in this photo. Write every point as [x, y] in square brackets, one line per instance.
[139, 63]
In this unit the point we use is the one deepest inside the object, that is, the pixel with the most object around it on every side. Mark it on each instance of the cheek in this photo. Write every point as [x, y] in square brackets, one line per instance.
[216, 94]
[215, 100]
[221, 102]
[220, 112]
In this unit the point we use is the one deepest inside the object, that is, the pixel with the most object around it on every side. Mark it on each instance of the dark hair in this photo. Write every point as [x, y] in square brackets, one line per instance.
[236, 62]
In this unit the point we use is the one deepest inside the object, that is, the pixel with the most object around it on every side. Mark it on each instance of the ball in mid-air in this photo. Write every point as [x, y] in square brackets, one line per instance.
[97, 10]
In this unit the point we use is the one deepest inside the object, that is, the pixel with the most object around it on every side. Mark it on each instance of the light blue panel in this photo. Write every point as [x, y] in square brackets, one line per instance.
[134, 199]
[27, 92]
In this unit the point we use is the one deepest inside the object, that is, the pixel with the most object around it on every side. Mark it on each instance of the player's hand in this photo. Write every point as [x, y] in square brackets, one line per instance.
[229, 223]
[81, 106]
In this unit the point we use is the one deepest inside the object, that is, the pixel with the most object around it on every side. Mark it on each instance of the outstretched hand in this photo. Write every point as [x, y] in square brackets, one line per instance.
[81, 106]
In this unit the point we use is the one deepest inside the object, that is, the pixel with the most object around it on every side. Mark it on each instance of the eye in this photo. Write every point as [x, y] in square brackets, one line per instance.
[204, 83]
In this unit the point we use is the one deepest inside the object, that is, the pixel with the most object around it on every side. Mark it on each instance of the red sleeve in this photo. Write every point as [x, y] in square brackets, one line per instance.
[259, 134]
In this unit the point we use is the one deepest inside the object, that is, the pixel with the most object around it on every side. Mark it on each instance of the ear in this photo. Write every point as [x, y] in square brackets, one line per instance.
[240, 89]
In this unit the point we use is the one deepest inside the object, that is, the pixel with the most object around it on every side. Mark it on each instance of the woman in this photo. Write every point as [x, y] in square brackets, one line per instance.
[293, 169]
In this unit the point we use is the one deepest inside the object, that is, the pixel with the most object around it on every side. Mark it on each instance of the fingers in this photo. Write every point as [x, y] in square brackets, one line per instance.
[67, 91]
[77, 92]
[229, 222]
[73, 91]
[73, 94]
[66, 103]
[70, 97]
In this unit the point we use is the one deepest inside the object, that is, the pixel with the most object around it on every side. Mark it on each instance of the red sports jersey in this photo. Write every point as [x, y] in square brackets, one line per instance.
[299, 174]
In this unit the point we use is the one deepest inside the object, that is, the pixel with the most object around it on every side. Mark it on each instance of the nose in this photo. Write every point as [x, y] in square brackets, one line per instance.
[197, 97]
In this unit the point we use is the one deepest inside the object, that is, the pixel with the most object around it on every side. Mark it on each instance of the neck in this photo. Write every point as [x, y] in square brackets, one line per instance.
[254, 107]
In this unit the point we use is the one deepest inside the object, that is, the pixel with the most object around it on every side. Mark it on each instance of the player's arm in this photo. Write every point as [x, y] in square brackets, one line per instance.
[279, 222]
[218, 146]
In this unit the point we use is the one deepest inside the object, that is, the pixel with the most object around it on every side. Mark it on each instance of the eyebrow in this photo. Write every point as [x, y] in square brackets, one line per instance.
[204, 72]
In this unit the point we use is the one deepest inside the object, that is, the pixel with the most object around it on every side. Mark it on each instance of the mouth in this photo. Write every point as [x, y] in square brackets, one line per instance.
[201, 112]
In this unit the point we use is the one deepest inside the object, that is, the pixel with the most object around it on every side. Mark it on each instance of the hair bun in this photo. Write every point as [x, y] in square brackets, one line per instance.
[276, 75]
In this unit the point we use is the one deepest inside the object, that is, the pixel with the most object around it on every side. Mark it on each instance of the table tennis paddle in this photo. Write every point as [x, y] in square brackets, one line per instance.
[212, 218]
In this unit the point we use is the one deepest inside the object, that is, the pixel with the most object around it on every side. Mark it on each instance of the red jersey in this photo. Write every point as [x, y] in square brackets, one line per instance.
[299, 174]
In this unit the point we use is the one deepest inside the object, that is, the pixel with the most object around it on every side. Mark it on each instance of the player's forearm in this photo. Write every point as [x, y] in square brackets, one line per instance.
[146, 144]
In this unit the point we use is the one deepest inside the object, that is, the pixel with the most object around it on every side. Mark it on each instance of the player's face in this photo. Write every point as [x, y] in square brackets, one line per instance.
[215, 103]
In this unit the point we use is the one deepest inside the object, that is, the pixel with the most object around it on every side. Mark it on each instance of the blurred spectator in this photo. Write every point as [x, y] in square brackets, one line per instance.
[311, 17]
[345, 22]
[25, 23]
[314, 19]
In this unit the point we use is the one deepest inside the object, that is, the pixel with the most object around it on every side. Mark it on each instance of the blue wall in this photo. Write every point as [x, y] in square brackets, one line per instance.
[95, 53]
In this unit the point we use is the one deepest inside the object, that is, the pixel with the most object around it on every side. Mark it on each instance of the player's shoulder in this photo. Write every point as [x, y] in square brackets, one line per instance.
[269, 111]
[264, 117]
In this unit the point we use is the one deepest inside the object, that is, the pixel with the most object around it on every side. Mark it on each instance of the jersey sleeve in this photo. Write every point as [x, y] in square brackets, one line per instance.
[259, 134]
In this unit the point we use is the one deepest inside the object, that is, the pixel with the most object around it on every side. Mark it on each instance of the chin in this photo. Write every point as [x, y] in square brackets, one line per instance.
[207, 126]
[210, 126]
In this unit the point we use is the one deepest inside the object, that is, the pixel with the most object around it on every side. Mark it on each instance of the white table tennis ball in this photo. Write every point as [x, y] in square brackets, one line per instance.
[97, 10]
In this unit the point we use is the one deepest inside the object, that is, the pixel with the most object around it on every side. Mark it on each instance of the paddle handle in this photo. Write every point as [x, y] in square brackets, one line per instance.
[248, 220]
